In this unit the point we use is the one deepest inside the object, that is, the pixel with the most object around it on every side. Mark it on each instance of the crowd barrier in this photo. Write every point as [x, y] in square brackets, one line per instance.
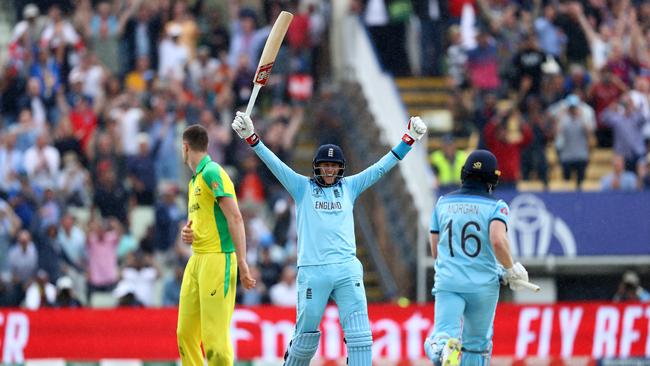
[576, 330]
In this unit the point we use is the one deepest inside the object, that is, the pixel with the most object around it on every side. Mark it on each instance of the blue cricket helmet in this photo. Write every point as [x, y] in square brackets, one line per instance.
[481, 165]
[328, 153]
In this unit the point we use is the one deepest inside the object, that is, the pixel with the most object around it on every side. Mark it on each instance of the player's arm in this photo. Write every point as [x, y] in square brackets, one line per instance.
[499, 240]
[434, 232]
[433, 241]
[235, 221]
[292, 181]
[361, 181]
[514, 272]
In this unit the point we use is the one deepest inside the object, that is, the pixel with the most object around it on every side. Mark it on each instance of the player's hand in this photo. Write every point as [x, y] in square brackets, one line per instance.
[246, 277]
[187, 234]
[517, 272]
[243, 125]
[416, 128]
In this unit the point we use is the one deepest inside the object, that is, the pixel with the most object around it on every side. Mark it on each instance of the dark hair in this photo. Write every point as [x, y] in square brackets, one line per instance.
[196, 137]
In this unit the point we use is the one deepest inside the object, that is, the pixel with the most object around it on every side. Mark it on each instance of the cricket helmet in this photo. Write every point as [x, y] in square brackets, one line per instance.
[481, 165]
[328, 153]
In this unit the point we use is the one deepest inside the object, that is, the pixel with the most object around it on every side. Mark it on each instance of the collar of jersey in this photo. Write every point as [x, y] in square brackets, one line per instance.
[206, 159]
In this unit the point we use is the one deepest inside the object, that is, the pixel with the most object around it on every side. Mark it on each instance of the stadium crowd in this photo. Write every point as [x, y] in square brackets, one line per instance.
[94, 97]
[527, 75]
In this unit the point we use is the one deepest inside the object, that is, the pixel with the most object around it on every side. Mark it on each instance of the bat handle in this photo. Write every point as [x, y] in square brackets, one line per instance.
[531, 286]
[251, 101]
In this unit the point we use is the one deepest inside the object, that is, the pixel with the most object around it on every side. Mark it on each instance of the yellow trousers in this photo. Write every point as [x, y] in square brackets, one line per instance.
[207, 301]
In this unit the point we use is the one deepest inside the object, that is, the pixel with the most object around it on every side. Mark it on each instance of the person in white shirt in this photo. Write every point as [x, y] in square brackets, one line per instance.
[284, 293]
[141, 274]
[31, 24]
[40, 292]
[172, 55]
[201, 67]
[128, 117]
[59, 31]
[91, 74]
[42, 162]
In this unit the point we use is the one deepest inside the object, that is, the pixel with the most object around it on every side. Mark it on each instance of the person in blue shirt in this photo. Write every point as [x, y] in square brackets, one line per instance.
[327, 262]
[470, 246]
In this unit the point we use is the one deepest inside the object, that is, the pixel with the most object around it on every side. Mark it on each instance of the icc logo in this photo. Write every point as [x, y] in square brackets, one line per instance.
[532, 228]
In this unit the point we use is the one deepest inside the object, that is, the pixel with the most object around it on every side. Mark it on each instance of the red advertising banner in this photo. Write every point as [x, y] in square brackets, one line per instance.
[597, 330]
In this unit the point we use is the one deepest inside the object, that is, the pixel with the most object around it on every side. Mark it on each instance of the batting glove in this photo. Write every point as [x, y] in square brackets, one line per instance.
[515, 274]
[415, 130]
[243, 126]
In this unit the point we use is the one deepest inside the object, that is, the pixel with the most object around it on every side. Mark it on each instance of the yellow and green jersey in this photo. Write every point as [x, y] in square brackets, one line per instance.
[209, 224]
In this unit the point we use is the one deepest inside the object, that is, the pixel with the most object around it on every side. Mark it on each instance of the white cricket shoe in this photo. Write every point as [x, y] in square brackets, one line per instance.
[451, 353]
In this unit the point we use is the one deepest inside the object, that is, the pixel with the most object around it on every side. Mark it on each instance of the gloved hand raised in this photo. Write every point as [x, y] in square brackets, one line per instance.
[243, 126]
[414, 130]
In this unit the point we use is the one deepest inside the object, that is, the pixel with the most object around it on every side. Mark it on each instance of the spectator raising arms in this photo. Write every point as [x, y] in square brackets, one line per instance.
[506, 136]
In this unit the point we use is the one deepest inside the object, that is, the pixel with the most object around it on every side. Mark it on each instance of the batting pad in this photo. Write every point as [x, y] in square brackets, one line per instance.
[358, 338]
[301, 349]
[475, 358]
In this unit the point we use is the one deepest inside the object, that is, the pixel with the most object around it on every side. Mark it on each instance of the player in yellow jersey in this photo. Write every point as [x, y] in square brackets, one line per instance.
[215, 230]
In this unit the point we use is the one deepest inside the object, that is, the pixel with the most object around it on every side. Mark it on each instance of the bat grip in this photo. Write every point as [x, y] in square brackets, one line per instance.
[530, 286]
[251, 101]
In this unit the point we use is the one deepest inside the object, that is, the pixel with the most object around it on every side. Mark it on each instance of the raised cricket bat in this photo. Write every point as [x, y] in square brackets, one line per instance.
[529, 285]
[269, 53]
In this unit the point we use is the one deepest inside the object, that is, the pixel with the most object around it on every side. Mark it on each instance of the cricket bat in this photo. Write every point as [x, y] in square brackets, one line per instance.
[269, 54]
[528, 285]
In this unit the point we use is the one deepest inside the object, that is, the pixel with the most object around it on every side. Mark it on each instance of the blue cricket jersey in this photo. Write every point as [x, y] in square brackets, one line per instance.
[466, 260]
[324, 214]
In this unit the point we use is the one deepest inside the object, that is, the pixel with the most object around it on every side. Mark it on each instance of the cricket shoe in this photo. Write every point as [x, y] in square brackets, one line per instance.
[451, 353]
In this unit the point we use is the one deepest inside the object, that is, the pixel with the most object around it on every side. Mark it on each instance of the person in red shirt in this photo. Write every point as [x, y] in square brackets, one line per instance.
[506, 136]
[298, 32]
[84, 120]
[607, 90]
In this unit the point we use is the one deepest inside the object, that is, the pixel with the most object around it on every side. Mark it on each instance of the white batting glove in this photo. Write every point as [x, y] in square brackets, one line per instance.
[415, 130]
[514, 274]
[243, 126]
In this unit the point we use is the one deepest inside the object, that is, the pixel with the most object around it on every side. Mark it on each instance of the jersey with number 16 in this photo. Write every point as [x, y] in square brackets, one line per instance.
[466, 260]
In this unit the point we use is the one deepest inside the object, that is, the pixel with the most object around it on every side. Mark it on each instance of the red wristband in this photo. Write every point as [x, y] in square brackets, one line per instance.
[253, 139]
[408, 139]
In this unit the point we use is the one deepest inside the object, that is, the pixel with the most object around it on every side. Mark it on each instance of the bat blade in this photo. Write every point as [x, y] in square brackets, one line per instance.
[267, 59]
[272, 46]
